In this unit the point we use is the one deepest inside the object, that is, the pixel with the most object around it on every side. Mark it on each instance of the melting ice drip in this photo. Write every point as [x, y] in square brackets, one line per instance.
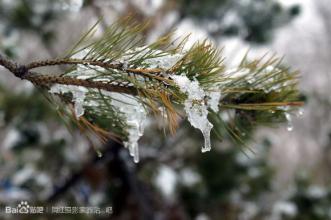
[78, 96]
[133, 111]
[135, 115]
[289, 121]
[195, 107]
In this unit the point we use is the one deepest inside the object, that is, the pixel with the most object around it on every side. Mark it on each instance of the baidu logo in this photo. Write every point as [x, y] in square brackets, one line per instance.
[24, 208]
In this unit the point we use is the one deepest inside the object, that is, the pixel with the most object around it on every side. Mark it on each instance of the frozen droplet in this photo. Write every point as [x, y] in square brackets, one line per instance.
[289, 121]
[78, 96]
[195, 108]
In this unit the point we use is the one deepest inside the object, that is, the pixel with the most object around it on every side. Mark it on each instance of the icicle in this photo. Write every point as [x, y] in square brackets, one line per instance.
[195, 108]
[135, 153]
[78, 96]
[135, 115]
[206, 135]
[289, 121]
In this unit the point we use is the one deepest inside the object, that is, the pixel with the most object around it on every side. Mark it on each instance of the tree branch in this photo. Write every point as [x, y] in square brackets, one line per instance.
[18, 70]
[46, 80]
[22, 72]
[103, 64]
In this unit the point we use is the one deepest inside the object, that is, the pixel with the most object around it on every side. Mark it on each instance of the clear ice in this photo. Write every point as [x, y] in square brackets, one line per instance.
[159, 59]
[78, 96]
[214, 98]
[289, 121]
[134, 112]
[135, 115]
[129, 106]
[195, 107]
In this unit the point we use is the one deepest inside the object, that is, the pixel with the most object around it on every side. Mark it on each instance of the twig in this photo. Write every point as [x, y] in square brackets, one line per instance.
[23, 72]
[45, 80]
[18, 70]
[106, 65]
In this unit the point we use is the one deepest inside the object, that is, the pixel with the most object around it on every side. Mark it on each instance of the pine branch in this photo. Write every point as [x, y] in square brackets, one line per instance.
[114, 83]
[102, 64]
[18, 70]
[46, 80]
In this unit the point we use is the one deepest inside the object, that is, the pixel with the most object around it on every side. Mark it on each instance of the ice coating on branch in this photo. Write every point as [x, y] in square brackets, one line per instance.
[133, 111]
[78, 96]
[159, 58]
[135, 115]
[164, 62]
[195, 107]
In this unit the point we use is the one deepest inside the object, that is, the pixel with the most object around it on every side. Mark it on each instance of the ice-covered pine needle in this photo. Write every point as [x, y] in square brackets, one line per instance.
[116, 83]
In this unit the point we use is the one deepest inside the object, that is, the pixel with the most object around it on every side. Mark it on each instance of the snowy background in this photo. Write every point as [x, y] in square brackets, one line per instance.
[286, 178]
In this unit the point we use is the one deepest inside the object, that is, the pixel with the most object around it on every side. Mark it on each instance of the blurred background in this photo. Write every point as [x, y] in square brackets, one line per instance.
[284, 175]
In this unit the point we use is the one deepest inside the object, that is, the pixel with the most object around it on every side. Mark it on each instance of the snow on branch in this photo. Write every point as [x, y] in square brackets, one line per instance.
[115, 83]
